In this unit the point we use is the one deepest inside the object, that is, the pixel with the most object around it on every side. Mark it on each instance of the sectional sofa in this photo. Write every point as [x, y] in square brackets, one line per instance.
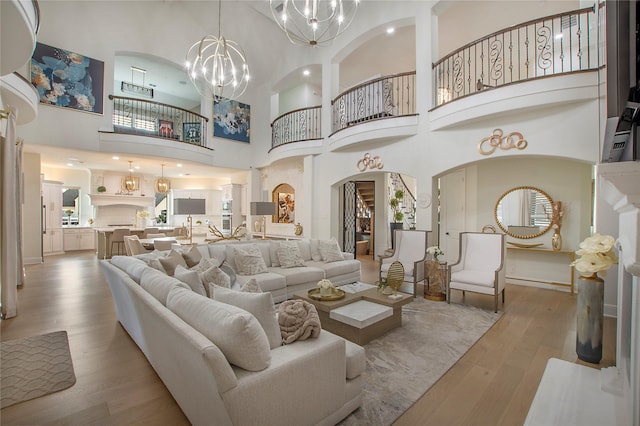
[219, 361]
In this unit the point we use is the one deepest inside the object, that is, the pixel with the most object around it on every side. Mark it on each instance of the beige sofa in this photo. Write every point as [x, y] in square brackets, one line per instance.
[283, 282]
[311, 382]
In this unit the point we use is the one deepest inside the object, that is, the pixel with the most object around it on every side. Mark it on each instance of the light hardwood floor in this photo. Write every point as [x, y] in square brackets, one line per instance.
[493, 384]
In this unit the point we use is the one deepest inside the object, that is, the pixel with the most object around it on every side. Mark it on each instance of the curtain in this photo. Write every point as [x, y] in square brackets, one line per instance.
[11, 259]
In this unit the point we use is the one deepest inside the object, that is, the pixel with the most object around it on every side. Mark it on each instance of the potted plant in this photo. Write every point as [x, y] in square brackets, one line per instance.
[101, 189]
[398, 215]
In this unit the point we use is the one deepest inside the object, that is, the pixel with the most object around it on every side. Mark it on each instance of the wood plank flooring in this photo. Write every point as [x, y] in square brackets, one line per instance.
[493, 384]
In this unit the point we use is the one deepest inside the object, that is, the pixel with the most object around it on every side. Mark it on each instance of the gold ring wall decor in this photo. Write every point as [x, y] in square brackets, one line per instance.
[524, 212]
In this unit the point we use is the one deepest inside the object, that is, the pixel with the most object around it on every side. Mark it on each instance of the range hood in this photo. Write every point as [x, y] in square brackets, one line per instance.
[121, 200]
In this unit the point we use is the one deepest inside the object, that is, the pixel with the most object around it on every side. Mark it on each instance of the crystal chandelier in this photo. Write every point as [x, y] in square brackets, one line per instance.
[313, 22]
[217, 66]
[162, 185]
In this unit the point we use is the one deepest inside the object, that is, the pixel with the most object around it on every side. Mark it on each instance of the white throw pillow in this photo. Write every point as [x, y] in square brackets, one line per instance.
[251, 286]
[158, 284]
[330, 250]
[206, 263]
[171, 261]
[249, 260]
[191, 278]
[289, 255]
[260, 305]
[216, 276]
[236, 332]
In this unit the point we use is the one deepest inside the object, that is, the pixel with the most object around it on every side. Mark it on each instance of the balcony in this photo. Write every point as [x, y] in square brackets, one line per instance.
[300, 125]
[147, 118]
[19, 26]
[556, 45]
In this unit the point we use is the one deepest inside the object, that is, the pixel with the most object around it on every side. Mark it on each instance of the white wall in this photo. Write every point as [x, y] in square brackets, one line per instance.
[31, 209]
[302, 96]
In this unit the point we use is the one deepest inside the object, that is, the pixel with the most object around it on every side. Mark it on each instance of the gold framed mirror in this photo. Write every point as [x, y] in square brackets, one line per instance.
[524, 212]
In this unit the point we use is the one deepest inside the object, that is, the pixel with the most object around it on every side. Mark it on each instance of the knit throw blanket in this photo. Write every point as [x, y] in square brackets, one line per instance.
[298, 320]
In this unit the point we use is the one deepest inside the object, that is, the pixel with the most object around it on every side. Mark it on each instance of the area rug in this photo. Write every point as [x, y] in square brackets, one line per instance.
[404, 363]
[34, 366]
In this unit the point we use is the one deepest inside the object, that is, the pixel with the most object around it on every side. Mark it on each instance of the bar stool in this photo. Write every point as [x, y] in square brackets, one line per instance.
[118, 238]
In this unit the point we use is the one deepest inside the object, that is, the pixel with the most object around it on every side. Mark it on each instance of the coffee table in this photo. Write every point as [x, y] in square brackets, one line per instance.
[359, 317]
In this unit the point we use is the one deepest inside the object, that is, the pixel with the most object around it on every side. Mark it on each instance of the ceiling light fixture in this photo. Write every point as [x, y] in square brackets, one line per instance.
[162, 185]
[306, 72]
[136, 88]
[129, 183]
[313, 22]
[217, 66]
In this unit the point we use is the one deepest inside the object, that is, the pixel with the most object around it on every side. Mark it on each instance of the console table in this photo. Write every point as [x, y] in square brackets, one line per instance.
[546, 251]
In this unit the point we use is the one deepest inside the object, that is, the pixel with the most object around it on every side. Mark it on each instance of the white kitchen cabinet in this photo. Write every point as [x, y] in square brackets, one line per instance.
[79, 239]
[52, 235]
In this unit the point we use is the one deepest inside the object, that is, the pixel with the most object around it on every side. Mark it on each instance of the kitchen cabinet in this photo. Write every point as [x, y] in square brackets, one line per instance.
[79, 239]
[52, 236]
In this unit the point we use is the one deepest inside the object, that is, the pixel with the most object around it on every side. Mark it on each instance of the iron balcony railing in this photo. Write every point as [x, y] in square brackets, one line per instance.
[380, 98]
[557, 44]
[148, 118]
[296, 126]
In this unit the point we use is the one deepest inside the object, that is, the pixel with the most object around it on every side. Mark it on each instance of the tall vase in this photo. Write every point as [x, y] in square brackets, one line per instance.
[590, 317]
[556, 240]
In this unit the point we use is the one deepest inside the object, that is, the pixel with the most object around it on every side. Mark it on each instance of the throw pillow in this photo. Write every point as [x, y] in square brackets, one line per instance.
[229, 271]
[171, 261]
[158, 284]
[192, 256]
[206, 263]
[260, 305]
[191, 278]
[330, 250]
[249, 260]
[251, 286]
[315, 251]
[155, 264]
[216, 276]
[236, 332]
[289, 255]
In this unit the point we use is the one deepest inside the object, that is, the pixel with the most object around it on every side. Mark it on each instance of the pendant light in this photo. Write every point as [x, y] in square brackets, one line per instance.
[129, 183]
[218, 66]
[162, 185]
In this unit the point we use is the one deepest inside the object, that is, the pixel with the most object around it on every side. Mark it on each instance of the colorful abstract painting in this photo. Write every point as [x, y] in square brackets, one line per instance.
[231, 120]
[67, 79]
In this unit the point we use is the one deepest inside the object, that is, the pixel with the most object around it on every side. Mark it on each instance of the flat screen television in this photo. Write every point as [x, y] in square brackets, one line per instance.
[189, 206]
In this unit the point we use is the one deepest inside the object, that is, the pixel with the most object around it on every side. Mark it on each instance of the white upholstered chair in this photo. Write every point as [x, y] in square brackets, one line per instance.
[480, 267]
[411, 251]
[163, 245]
[134, 246]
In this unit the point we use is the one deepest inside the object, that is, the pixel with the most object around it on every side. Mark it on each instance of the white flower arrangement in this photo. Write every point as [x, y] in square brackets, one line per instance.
[596, 255]
[435, 251]
[326, 287]
[143, 214]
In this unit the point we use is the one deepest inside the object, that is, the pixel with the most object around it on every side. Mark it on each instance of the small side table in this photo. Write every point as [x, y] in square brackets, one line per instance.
[436, 280]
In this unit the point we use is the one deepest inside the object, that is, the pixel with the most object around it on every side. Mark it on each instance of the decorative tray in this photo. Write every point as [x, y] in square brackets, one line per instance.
[525, 245]
[336, 294]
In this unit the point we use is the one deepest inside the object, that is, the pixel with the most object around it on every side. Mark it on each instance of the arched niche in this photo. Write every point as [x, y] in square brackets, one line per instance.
[285, 197]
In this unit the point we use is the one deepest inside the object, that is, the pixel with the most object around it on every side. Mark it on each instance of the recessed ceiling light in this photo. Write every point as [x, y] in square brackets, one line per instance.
[306, 72]
[70, 164]
[390, 30]
[136, 167]
[179, 165]
[179, 174]
[115, 157]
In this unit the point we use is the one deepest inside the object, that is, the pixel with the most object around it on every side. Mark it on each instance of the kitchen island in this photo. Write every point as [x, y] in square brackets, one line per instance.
[103, 237]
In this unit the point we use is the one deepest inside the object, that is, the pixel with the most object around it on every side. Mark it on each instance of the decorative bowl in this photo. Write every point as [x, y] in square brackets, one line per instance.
[336, 294]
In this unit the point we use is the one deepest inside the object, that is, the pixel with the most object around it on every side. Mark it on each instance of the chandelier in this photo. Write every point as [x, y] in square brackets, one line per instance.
[162, 185]
[313, 22]
[129, 183]
[217, 66]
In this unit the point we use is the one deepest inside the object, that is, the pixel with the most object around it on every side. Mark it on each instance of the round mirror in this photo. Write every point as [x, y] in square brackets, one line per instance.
[524, 212]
